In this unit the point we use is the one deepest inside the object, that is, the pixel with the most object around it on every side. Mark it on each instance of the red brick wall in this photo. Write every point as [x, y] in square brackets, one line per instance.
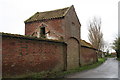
[31, 55]
[88, 56]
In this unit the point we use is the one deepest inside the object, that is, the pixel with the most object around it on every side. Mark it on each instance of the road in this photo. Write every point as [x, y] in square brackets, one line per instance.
[109, 69]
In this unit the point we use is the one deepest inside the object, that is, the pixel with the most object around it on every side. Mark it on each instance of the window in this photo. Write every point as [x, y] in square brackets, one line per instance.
[73, 23]
[42, 32]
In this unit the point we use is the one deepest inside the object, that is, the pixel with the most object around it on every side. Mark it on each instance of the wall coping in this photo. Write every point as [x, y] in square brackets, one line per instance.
[91, 48]
[30, 37]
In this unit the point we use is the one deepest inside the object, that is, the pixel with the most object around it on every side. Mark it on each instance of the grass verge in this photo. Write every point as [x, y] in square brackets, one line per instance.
[61, 74]
[87, 67]
[118, 59]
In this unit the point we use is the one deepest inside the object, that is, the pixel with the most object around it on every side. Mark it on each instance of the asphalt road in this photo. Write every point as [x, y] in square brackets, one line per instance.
[109, 69]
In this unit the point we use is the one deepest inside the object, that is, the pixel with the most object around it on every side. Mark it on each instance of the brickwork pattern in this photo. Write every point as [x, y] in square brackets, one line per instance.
[88, 56]
[23, 56]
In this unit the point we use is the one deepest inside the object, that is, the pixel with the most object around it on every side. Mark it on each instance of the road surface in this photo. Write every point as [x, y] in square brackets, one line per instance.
[109, 69]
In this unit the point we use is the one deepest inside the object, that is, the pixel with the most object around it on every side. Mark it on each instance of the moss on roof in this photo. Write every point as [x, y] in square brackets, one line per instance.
[84, 43]
[59, 13]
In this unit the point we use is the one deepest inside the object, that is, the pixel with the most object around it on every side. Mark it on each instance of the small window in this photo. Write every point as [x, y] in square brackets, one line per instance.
[73, 23]
[42, 32]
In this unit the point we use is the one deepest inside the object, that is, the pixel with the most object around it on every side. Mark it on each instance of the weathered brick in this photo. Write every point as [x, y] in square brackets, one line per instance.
[88, 56]
[38, 56]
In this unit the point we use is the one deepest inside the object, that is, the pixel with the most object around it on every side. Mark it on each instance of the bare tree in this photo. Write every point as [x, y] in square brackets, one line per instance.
[95, 34]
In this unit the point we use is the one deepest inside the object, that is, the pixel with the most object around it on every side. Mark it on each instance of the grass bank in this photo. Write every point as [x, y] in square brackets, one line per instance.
[61, 74]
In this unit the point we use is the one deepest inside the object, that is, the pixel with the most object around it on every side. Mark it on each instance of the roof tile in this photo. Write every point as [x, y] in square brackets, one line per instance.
[59, 13]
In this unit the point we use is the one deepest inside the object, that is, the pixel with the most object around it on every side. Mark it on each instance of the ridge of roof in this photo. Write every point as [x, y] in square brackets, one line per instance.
[67, 10]
[53, 14]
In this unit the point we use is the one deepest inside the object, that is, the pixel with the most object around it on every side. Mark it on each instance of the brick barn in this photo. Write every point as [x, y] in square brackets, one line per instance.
[52, 42]
[61, 24]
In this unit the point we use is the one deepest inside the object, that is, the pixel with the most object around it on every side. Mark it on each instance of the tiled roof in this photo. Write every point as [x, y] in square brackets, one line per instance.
[59, 13]
[84, 43]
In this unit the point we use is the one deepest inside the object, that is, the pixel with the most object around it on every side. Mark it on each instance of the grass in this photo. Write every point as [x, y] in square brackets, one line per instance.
[101, 60]
[87, 67]
[61, 74]
[118, 59]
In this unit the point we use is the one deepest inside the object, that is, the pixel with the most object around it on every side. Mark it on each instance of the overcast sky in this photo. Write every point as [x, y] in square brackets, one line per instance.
[15, 12]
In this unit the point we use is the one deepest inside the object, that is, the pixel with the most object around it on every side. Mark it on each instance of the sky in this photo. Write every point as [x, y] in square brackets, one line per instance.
[15, 12]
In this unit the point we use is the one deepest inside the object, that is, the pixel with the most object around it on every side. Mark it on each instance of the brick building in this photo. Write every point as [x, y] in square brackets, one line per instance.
[61, 24]
[51, 42]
